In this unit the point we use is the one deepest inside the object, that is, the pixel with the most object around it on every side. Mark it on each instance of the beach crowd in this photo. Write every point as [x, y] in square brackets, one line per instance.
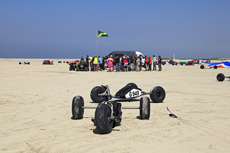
[122, 63]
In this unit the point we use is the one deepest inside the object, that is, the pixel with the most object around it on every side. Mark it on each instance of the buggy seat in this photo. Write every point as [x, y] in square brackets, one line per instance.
[123, 91]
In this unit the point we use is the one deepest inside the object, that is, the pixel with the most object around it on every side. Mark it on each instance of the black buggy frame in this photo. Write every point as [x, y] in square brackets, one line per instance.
[108, 114]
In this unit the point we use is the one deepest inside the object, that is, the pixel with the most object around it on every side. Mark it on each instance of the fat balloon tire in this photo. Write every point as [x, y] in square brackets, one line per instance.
[220, 77]
[94, 94]
[77, 107]
[157, 94]
[103, 123]
[144, 108]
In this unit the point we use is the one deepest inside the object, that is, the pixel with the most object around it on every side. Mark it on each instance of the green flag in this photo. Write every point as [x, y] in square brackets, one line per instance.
[102, 34]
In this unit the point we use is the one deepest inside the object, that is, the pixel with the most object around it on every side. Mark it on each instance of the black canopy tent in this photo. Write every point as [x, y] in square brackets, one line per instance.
[123, 53]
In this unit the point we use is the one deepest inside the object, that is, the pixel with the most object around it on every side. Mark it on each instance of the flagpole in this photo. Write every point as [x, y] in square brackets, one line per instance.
[97, 42]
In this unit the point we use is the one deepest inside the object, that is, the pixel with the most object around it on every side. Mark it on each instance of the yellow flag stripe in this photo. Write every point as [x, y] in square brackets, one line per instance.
[102, 34]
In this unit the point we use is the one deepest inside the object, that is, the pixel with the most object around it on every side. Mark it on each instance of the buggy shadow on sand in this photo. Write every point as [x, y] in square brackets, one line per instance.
[108, 114]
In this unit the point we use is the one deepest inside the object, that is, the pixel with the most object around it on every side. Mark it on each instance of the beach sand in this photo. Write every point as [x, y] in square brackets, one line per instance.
[36, 101]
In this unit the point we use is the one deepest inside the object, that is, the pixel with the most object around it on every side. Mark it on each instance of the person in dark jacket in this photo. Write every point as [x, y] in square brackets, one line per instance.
[87, 61]
[103, 63]
[159, 63]
[118, 64]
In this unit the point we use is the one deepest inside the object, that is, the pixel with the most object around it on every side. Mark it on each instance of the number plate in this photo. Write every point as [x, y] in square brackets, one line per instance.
[133, 93]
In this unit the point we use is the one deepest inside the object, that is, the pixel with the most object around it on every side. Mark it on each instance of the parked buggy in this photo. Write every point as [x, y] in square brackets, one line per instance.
[108, 113]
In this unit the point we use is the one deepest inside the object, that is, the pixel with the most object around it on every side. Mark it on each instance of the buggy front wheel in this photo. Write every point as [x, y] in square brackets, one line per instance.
[103, 120]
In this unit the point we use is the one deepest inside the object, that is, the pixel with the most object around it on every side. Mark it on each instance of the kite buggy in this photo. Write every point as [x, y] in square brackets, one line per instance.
[24, 63]
[108, 114]
[215, 65]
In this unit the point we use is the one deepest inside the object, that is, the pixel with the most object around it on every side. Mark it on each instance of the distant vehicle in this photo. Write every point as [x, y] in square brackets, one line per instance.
[47, 62]
[76, 65]
[24, 63]
[125, 53]
[192, 62]
[172, 62]
[215, 65]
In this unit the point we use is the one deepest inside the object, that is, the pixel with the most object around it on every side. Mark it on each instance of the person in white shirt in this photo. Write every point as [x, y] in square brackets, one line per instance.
[154, 63]
[143, 62]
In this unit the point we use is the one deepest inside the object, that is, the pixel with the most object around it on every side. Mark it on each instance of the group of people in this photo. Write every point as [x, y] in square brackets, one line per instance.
[123, 63]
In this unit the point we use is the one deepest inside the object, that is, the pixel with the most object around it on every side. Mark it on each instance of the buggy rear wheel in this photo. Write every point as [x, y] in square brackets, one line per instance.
[144, 108]
[77, 109]
[202, 67]
[94, 94]
[157, 94]
[103, 121]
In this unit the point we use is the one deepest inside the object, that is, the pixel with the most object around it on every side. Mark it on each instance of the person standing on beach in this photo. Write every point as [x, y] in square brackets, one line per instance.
[82, 61]
[159, 63]
[106, 63]
[95, 63]
[125, 64]
[103, 63]
[110, 64]
[87, 61]
[117, 61]
[132, 65]
[150, 64]
[154, 63]
[146, 62]
[135, 62]
[141, 62]
[138, 64]
[100, 62]
[128, 58]
[122, 63]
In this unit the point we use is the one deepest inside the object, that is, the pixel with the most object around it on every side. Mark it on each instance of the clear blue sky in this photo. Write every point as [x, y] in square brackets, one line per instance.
[67, 28]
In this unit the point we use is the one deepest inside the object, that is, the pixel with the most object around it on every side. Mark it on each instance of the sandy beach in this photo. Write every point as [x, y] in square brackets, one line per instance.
[36, 99]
